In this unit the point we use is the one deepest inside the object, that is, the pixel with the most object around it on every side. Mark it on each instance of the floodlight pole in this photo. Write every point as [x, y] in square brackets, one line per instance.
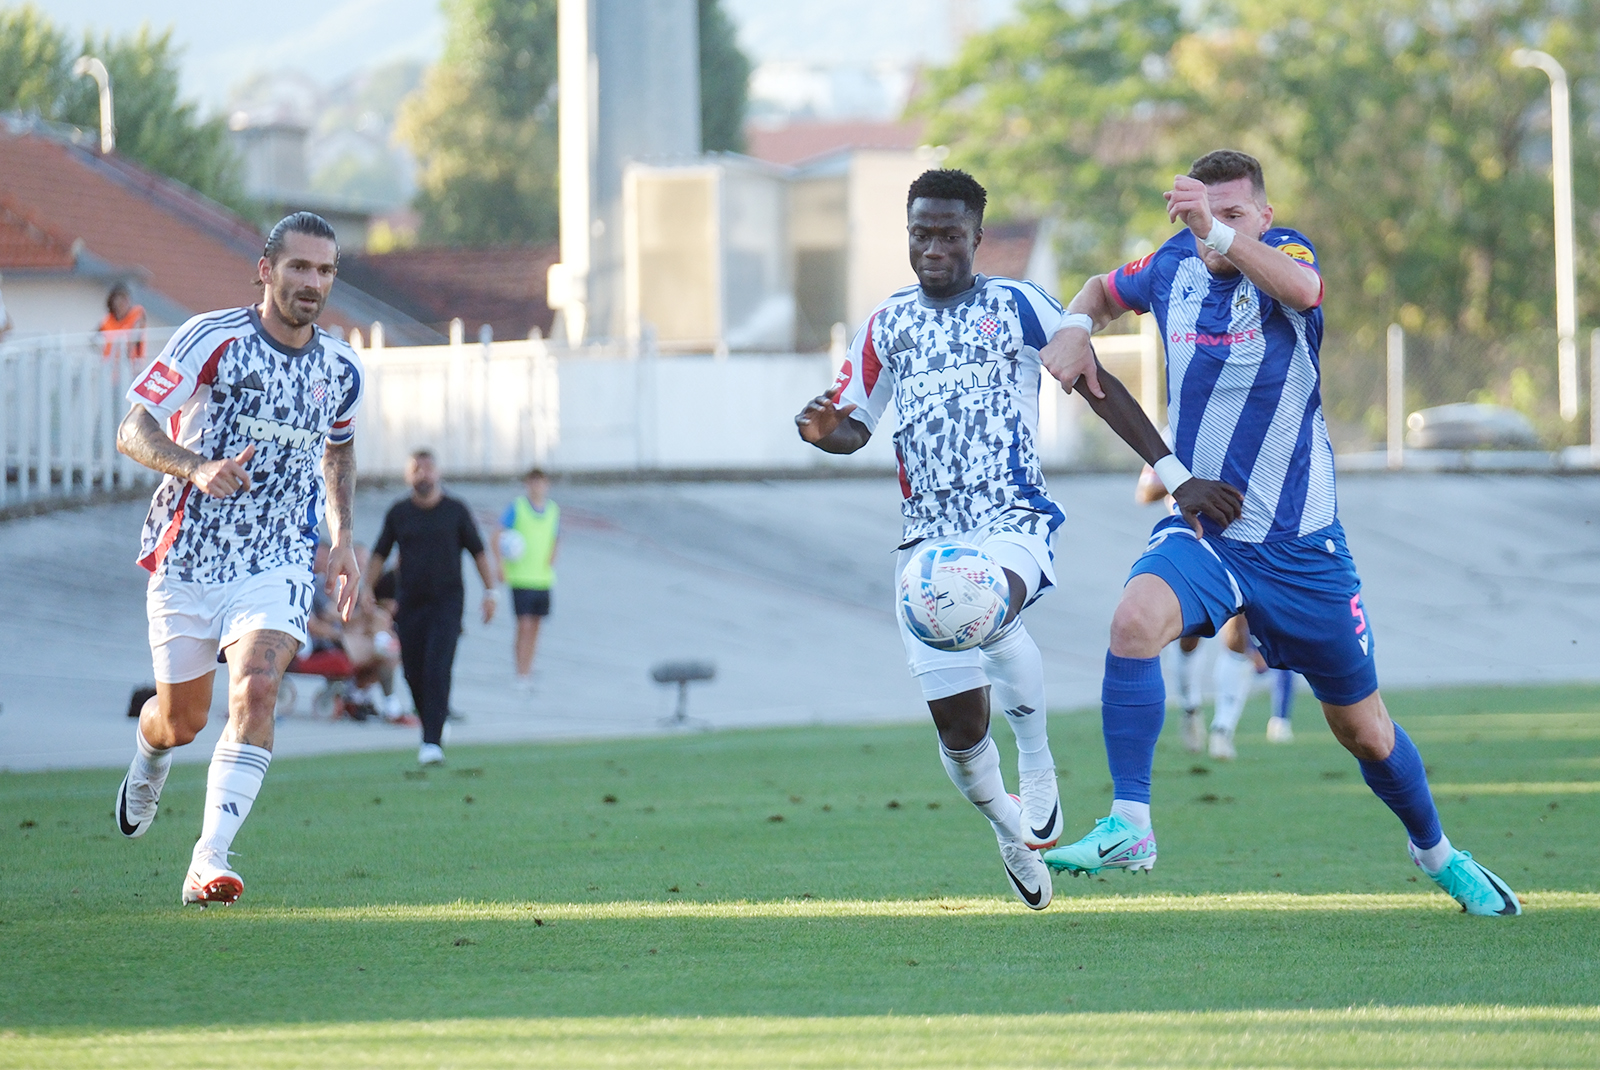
[1561, 179]
[89, 65]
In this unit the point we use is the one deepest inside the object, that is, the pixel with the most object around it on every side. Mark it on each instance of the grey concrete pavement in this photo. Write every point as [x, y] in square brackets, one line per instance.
[787, 587]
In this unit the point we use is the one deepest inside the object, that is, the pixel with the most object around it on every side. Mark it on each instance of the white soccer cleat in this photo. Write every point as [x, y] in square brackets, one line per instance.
[1029, 876]
[430, 754]
[1279, 731]
[210, 880]
[136, 803]
[1220, 745]
[1042, 823]
[1194, 731]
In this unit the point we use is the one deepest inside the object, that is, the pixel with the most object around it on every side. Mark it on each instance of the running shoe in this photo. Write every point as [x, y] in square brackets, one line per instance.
[210, 880]
[1194, 731]
[1042, 823]
[1114, 844]
[1029, 877]
[136, 802]
[1221, 745]
[1474, 887]
[1278, 730]
[430, 754]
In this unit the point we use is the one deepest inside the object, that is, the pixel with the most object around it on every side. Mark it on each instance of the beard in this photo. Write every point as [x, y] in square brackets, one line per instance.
[286, 299]
[423, 488]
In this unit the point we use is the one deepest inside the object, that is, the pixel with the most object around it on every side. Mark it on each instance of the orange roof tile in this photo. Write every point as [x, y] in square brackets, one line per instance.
[26, 245]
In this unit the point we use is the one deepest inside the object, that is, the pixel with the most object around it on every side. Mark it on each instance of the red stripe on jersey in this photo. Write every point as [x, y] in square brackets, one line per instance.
[208, 373]
[1111, 287]
[153, 559]
[871, 366]
[840, 381]
[174, 425]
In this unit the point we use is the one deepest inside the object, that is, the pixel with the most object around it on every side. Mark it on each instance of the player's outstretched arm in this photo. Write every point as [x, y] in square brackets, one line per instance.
[1068, 355]
[1195, 497]
[830, 427]
[344, 572]
[141, 438]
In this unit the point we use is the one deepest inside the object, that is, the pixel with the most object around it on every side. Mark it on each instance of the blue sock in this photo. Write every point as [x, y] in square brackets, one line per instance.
[1282, 693]
[1133, 704]
[1400, 781]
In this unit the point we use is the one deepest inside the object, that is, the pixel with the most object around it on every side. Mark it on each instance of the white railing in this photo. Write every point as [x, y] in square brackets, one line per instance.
[495, 409]
[61, 399]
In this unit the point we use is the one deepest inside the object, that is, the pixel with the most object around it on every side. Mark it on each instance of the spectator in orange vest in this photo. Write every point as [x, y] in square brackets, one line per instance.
[124, 323]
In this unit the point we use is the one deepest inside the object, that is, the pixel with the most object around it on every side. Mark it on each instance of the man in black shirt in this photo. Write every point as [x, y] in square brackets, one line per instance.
[431, 531]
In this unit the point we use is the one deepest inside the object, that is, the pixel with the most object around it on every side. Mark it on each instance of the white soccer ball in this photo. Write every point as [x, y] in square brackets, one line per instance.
[512, 545]
[953, 596]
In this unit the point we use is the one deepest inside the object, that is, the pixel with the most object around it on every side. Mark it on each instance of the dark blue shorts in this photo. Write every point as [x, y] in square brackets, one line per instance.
[530, 602]
[1302, 598]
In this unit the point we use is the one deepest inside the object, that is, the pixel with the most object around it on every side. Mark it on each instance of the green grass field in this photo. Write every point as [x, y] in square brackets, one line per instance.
[816, 898]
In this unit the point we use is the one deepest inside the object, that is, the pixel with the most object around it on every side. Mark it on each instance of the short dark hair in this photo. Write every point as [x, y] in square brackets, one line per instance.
[949, 184]
[424, 454]
[1225, 165]
[119, 288]
[534, 473]
[298, 223]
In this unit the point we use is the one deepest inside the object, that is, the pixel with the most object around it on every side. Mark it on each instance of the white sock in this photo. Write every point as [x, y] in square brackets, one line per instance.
[1015, 670]
[1234, 675]
[1136, 814]
[1436, 857]
[1186, 667]
[976, 775]
[150, 763]
[232, 783]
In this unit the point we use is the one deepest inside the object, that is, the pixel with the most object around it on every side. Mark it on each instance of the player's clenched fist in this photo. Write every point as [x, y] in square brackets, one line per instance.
[1219, 501]
[1187, 200]
[227, 476]
[821, 418]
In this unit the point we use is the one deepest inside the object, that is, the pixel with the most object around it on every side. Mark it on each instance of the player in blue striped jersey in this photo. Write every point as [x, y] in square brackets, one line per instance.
[1239, 304]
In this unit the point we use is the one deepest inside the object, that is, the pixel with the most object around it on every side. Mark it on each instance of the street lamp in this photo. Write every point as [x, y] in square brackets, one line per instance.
[1561, 179]
[88, 65]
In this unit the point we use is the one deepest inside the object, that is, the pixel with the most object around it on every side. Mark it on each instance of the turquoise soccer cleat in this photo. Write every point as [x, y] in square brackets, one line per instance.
[1114, 844]
[1474, 887]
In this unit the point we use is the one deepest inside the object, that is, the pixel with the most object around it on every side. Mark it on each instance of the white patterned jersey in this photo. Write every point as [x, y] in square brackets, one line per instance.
[964, 372]
[221, 384]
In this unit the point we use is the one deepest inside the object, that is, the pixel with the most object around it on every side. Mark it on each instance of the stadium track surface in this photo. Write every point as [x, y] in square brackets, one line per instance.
[787, 587]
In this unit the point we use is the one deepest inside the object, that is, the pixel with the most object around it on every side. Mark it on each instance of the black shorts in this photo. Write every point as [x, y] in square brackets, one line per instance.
[529, 602]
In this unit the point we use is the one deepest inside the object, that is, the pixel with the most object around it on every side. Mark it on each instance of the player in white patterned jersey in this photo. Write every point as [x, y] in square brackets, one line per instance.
[249, 414]
[959, 355]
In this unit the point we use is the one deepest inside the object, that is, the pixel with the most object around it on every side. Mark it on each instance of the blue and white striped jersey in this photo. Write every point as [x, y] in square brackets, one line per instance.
[964, 372]
[1243, 396]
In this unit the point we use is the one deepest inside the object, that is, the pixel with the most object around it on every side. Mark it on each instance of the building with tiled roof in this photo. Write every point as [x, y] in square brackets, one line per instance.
[504, 287]
[180, 252]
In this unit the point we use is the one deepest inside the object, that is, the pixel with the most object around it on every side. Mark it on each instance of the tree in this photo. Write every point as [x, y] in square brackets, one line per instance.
[724, 81]
[154, 127]
[483, 126]
[1395, 133]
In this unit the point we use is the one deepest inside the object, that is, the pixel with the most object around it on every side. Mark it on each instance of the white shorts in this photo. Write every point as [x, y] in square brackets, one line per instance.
[190, 621]
[1018, 540]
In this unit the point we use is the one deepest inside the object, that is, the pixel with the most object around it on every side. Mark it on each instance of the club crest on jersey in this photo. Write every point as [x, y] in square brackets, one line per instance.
[319, 390]
[1241, 300]
[264, 430]
[988, 327]
[158, 382]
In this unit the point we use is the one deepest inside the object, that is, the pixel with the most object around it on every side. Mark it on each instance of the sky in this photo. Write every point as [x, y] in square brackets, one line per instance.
[225, 41]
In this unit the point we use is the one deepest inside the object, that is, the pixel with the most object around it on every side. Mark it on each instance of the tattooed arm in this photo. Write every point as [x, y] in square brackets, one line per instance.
[344, 574]
[141, 438]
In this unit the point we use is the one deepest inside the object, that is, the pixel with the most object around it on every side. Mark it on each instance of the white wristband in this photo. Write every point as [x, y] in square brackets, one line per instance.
[1171, 472]
[1220, 238]
[1078, 319]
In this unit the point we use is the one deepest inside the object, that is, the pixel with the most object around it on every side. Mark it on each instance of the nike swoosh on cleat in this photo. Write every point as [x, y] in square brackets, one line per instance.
[1107, 850]
[122, 812]
[1049, 824]
[1032, 898]
[1506, 898]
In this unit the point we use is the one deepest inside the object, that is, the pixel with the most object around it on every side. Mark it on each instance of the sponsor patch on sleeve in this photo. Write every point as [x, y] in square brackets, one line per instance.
[158, 382]
[1298, 252]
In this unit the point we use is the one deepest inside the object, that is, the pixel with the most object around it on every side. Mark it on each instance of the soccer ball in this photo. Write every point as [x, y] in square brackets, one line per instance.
[953, 596]
[512, 545]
